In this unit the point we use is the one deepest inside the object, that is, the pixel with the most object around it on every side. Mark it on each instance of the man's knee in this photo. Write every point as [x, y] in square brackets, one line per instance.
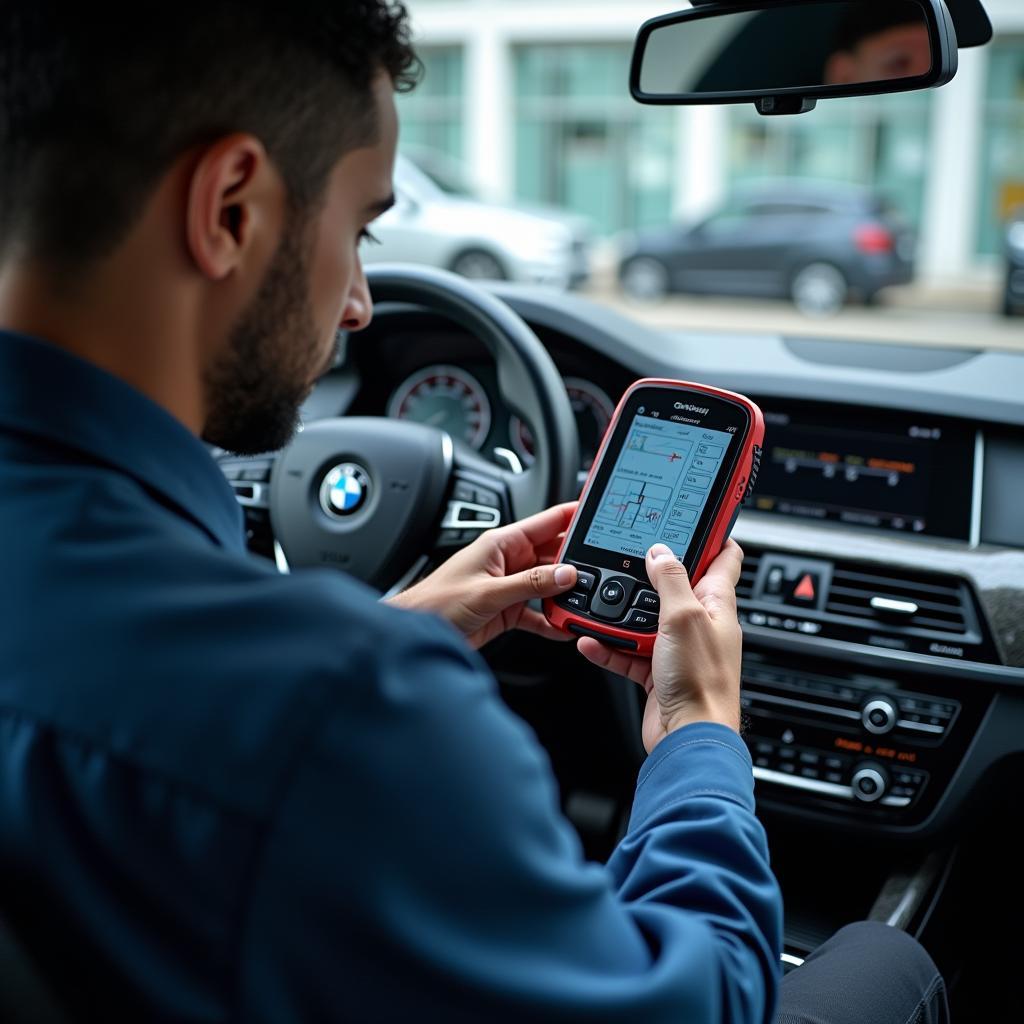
[866, 972]
[891, 949]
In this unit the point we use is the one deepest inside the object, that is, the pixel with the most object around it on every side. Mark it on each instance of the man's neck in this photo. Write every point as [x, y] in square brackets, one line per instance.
[115, 326]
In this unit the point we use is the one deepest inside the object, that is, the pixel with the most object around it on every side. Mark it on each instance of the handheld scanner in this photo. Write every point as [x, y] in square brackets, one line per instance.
[676, 463]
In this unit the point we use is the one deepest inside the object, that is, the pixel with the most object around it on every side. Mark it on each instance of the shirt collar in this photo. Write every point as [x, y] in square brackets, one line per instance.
[49, 393]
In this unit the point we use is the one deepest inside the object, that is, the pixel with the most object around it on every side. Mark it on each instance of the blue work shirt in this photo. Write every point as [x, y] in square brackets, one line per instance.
[228, 794]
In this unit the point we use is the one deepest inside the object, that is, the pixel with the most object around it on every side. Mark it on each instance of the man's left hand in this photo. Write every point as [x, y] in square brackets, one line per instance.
[484, 589]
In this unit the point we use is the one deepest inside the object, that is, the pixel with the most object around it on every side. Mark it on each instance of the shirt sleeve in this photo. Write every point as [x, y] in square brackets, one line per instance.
[419, 868]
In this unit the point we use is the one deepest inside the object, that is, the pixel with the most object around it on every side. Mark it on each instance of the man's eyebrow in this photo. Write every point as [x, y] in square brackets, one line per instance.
[375, 209]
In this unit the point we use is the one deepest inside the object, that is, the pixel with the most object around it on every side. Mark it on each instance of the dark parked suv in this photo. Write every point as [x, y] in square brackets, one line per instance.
[819, 245]
[1013, 298]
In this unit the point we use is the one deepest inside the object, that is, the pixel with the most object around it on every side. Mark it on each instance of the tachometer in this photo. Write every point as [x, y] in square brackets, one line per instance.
[593, 410]
[446, 397]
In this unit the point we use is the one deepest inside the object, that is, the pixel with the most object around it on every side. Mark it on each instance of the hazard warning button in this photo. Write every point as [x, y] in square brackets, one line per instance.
[806, 589]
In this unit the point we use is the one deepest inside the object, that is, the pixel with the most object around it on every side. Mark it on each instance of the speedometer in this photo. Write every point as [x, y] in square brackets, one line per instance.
[446, 397]
[593, 410]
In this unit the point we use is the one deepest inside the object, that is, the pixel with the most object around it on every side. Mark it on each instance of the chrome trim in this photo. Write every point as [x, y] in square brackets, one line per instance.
[976, 492]
[508, 456]
[936, 730]
[817, 786]
[260, 494]
[806, 705]
[280, 559]
[894, 607]
[447, 452]
[452, 521]
[798, 782]
[408, 579]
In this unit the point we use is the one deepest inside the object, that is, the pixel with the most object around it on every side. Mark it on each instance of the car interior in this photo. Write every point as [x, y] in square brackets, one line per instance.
[882, 595]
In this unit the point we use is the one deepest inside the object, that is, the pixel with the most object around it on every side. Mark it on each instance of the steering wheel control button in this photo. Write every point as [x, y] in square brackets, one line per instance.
[641, 622]
[577, 602]
[344, 490]
[612, 598]
[868, 784]
[648, 601]
[879, 716]
[462, 515]
[585, 580]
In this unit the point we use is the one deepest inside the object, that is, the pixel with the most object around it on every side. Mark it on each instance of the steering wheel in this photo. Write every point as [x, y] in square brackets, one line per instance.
[383, 499]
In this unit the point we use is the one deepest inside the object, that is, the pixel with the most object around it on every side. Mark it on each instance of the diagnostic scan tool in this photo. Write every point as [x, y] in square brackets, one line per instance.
[676, 463]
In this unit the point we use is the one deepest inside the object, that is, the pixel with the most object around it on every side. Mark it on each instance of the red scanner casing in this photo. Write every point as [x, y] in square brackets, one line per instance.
[735, 493]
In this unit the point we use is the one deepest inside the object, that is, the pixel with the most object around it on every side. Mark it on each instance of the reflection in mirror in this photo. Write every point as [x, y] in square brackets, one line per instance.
[845, 43]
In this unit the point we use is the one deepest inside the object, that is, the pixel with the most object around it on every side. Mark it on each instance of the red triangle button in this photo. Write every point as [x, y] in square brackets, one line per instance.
[805, 589]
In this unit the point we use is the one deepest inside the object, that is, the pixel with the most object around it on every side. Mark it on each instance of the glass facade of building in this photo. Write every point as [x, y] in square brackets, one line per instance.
[582, 143]
[881, 142]
[1002, 153]
[433, 114]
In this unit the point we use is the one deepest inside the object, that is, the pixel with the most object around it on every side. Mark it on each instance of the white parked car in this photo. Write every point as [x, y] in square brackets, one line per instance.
[476, 239]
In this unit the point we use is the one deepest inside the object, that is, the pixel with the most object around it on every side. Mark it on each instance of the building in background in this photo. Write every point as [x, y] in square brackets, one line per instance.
[532, 97]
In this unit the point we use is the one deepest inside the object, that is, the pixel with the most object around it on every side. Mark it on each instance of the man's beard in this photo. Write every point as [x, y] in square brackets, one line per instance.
[255, 389]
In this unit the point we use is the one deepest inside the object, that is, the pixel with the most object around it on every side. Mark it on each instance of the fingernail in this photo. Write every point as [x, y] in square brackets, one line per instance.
[661, 551]
[565, 575]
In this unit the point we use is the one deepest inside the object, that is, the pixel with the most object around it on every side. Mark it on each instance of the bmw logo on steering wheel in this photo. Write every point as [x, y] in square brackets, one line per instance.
[344, 490]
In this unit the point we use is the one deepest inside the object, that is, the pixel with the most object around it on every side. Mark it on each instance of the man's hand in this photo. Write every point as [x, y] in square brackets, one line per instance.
[694, 675]
[483, 589]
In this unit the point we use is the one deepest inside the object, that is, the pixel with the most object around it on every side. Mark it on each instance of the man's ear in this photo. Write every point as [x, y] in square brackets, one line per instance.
[235, 204]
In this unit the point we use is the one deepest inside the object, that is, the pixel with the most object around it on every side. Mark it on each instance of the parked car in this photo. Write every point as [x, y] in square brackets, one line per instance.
[1013, 297]
[819, 245]
[484, 241]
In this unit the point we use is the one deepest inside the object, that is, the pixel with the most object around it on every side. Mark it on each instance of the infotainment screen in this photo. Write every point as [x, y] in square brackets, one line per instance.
[898, 472]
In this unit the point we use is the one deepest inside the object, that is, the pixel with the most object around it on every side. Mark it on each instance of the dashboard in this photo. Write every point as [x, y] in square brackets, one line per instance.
[882, 596]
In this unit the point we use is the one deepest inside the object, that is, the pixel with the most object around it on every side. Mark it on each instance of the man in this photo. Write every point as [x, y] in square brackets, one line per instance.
[233, 795]
[878, 42]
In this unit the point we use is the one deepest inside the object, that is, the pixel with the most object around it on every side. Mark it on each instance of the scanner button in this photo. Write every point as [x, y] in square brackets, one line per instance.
[585, 581]
[574, 600]
[612, 597]
[642, 622]
[648, 601]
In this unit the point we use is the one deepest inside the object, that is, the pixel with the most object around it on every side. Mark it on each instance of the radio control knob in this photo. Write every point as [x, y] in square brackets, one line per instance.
[879, 716]
[869, 782]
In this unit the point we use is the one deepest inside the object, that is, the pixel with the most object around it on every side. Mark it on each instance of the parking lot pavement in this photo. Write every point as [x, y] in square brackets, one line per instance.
[908, 316]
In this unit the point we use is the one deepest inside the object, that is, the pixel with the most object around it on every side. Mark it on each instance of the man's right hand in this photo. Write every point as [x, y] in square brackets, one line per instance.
[694, 675]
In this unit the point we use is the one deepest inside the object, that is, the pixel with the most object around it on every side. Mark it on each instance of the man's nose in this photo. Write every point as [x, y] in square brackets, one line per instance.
[359, 308]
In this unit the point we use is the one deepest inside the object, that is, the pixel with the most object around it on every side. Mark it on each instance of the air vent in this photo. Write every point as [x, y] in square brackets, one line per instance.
[745, 587]
[934, 603]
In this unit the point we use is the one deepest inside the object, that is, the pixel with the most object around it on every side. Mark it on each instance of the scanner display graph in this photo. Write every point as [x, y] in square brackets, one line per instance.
[662, 479]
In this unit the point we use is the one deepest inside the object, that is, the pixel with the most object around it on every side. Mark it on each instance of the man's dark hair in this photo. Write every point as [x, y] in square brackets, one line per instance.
[868, 19]
[97, 102]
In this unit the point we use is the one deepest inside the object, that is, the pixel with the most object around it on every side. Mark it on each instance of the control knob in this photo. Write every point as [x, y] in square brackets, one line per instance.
[869, 782]
[879, 715]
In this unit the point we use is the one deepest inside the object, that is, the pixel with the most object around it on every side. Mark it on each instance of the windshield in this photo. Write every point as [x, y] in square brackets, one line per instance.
[885, 218]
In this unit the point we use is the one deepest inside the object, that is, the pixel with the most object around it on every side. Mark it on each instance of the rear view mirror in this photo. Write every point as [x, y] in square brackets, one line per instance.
[784, 55]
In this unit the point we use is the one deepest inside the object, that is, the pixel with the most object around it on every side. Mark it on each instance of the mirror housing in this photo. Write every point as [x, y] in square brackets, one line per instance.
[785, 55]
